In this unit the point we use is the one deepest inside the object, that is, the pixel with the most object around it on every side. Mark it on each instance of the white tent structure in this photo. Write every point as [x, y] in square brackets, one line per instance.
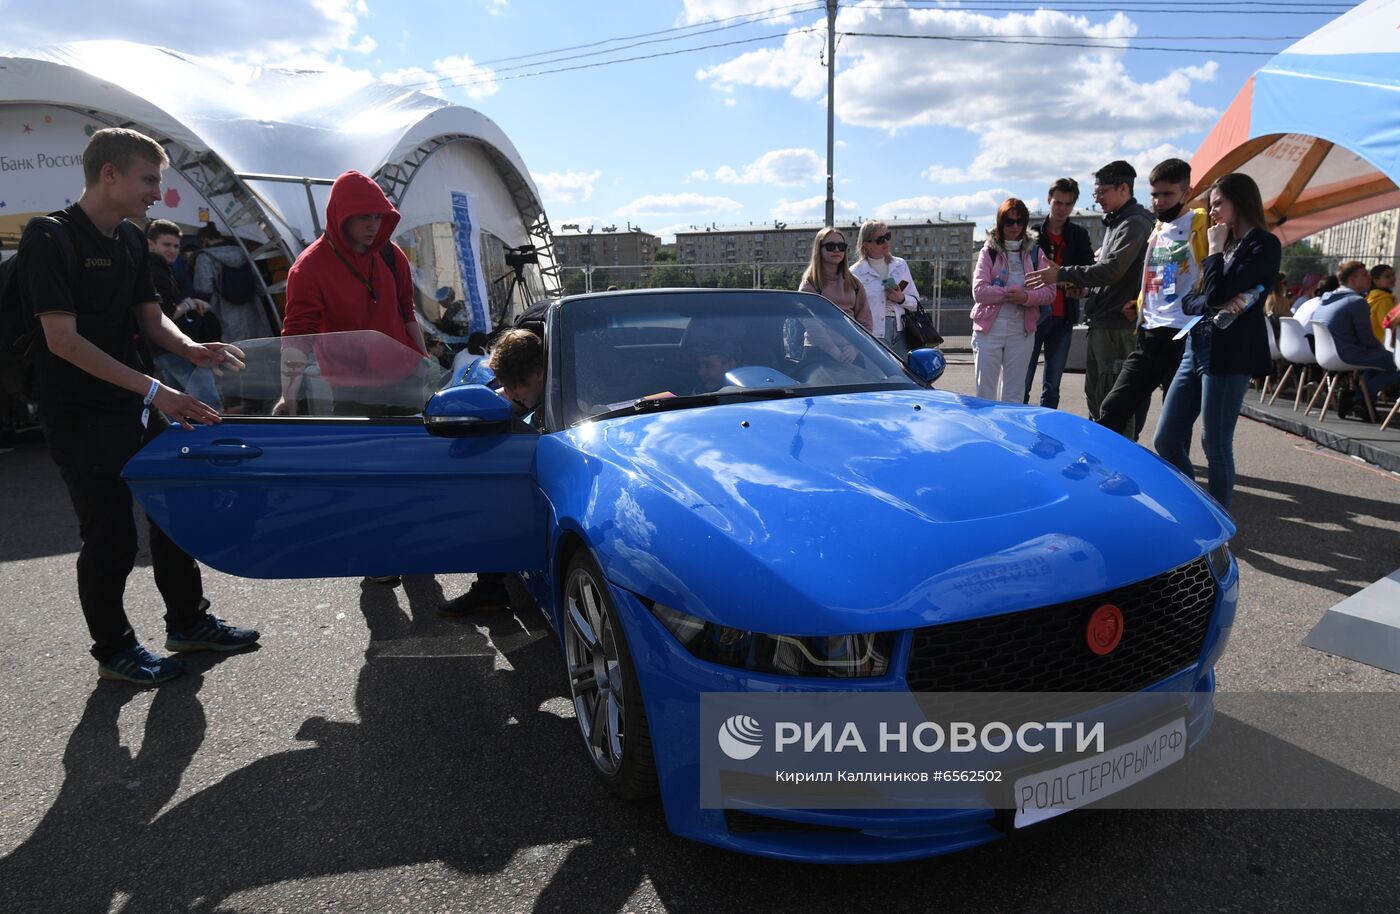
[260, 146]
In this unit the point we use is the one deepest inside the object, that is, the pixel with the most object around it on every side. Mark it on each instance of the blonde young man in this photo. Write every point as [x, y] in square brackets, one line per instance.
[83, 274]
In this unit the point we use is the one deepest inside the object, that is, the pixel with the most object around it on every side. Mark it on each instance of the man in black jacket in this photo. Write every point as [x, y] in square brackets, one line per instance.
[1068, 244]
[194, 317]
[1115, 278]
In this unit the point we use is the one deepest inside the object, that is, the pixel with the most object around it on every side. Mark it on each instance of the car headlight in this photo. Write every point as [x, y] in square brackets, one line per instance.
[1219, 561]
[831, 656]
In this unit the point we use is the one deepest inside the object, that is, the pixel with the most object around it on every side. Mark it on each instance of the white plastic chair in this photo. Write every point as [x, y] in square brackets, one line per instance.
[1293, 343]
[1333, 364]
[1395, 348]
[1274, 356]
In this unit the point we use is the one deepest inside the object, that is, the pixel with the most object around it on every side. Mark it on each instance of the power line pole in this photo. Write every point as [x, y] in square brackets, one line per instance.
[830, 112]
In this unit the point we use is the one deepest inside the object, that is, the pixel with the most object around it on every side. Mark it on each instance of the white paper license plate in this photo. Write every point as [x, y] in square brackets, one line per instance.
[1048, 793]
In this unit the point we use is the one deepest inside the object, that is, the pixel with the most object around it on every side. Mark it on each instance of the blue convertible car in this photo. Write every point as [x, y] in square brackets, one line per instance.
[733, 491]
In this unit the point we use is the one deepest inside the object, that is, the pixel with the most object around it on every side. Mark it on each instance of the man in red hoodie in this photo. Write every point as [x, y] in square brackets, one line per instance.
[343, 282]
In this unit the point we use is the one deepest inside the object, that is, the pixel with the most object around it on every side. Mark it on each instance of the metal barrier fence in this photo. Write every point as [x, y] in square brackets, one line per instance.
[944, 285]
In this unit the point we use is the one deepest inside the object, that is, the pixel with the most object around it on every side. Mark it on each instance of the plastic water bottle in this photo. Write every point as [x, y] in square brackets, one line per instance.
[1223, 319]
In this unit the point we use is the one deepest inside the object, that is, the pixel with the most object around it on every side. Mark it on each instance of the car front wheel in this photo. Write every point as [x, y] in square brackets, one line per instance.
[603, 684]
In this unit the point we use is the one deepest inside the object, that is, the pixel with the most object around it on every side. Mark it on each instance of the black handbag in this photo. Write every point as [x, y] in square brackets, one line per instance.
[918, 330]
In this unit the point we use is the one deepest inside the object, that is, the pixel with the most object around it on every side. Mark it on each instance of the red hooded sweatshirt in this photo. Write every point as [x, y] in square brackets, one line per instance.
[331, 288]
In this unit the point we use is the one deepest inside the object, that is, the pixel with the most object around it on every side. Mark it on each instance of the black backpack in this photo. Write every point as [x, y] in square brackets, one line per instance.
[20, 333]
[20, 336]
[236, 285]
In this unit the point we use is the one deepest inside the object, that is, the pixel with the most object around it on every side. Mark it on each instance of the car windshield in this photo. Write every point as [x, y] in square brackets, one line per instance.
[345, 374]
[669, 350]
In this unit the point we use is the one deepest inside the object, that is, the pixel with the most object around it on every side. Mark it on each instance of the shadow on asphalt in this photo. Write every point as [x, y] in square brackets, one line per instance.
[454, 760]
[1307, 534]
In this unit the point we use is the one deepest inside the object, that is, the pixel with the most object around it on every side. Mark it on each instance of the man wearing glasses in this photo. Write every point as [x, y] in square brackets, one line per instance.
[1115, 278]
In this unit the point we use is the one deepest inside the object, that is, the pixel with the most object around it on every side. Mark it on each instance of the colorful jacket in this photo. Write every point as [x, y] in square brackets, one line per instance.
[1200, 247]
[989, 284]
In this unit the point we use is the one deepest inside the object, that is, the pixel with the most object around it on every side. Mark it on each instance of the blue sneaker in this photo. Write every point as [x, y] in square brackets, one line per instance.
[211, 634]
[138, 665]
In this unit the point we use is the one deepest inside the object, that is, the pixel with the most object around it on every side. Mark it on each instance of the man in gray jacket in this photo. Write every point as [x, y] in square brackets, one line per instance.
[1115, 278]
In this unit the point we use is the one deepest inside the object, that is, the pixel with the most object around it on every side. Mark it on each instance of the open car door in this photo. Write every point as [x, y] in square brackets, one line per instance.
[327, 494]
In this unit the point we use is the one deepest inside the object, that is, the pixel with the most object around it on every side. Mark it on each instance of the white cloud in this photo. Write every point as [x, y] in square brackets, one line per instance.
[253, 31]
[459, 72]
[710, 10]
[812, 209]
[683, 203]
[1082, 103]
[787, 167]
[464, 73]
[565, 186]
[699, 174]
[496, 7]
[667, 233]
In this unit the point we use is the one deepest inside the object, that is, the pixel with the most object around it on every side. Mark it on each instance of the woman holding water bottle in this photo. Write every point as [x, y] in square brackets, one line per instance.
[1229, 343]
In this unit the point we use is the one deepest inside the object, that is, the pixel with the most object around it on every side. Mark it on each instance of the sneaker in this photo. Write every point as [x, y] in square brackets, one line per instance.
[387, 580]
[138, 665]
[482, 596]
[211, 634]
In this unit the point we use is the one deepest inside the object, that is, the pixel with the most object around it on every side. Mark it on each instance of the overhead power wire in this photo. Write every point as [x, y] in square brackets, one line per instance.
[606, 63]
[1033, 4]
[717, 25]
[773, 13]
[1157, 6]
[1057, 44]
[467, 69]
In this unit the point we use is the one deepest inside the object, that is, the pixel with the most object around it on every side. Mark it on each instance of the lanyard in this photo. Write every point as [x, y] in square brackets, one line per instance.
[368, 284]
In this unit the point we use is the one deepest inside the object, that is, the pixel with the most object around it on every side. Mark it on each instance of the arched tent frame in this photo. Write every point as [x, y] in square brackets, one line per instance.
[261, 145]
[1318, 126]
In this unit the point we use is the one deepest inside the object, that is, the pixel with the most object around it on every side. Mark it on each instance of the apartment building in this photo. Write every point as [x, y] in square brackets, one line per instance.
[717, 249]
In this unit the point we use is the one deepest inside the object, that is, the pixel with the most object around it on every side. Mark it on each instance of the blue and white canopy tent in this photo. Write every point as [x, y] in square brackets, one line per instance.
[1318, 126]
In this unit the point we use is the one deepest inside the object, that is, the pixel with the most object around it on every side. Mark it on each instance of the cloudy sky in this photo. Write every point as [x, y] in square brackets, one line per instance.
[724, 121]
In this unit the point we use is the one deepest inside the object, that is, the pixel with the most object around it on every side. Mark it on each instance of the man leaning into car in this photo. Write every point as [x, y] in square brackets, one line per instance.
[518, 361]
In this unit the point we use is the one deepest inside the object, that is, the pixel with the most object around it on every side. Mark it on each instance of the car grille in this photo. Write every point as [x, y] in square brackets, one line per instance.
[1044, 650]
[744, 823]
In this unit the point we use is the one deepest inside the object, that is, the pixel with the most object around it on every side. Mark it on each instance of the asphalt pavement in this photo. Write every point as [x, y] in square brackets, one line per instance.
[371, 757]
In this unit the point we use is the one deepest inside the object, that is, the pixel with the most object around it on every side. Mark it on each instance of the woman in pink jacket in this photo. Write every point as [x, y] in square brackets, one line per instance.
[1004, 313]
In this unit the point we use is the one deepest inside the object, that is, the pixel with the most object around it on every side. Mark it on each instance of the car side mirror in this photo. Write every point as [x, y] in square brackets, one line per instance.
[927, 365]
[464, 409]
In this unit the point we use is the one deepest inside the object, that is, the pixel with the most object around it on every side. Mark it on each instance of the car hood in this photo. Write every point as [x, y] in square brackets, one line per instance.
[871, 511]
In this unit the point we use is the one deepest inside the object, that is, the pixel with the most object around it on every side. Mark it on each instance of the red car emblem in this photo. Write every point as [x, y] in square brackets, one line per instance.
[1105, 629]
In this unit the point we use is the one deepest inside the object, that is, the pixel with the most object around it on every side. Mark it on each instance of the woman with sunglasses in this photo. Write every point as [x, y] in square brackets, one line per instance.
[1241, 254]
[828, 276]
[889, 286]
[1004, 312]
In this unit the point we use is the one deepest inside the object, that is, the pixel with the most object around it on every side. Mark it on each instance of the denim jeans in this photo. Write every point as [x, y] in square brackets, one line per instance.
[1152, 364]
[1053, 336]
[895, 339]
[1216, 399]
[196, 380]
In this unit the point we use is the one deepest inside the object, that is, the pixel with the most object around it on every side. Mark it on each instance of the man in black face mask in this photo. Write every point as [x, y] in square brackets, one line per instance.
[1171, 268]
